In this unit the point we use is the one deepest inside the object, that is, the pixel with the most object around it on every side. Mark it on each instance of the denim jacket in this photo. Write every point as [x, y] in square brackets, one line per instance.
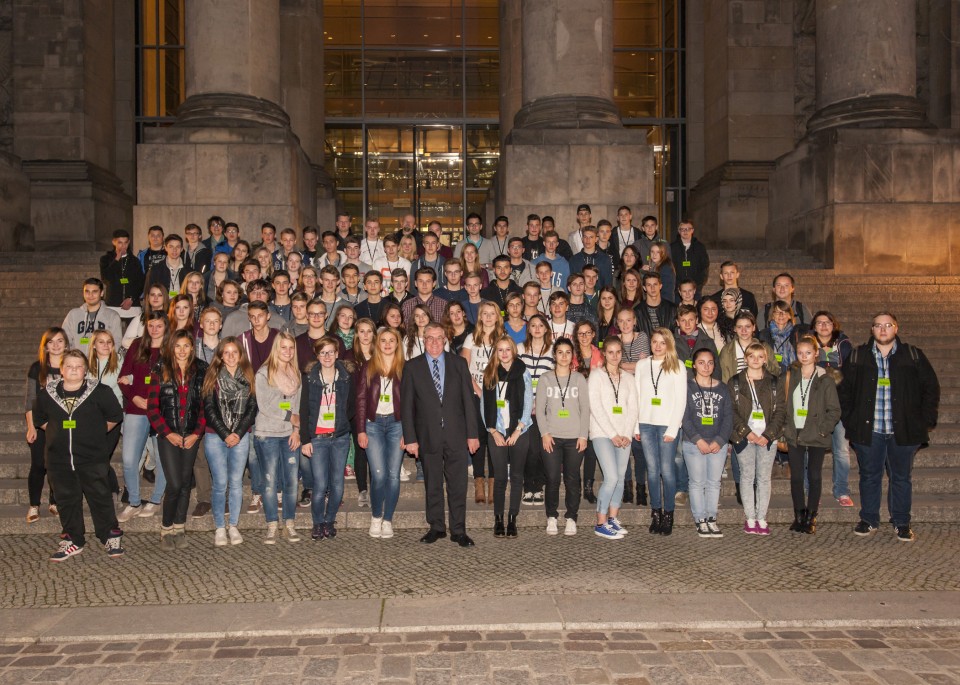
[310, 402]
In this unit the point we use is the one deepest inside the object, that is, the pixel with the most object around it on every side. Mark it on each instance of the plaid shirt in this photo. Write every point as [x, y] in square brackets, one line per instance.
[883, 407]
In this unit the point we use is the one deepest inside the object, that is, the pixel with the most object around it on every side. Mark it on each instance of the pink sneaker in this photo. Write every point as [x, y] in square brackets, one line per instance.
[845, 501]
[748, 529]
[762, 528]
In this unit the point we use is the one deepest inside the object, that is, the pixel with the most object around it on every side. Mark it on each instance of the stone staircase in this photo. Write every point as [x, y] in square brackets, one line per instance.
[38, 289]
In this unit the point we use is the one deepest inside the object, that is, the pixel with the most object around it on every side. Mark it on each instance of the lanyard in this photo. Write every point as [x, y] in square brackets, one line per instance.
[656, 383]
[753, 393]
[501, 389]
[703, 404]
[369, 251]
[386, 385]
[563, 391]
[419, 342]
[538, 357]
[326, 398]
[624, 241]
[91, 321]
[804, 394]
[501, 248]
[616, 388]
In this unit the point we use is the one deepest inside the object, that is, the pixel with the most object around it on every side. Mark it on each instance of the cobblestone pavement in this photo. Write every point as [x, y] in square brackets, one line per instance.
[856, 656]
[355, 566]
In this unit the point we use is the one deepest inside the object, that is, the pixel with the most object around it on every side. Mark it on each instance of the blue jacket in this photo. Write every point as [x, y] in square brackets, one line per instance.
[310, 402]
[600, 259]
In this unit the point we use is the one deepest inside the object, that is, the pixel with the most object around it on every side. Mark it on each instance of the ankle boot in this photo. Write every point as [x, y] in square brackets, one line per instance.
[512, 526]
[166, 539]
[641, 494]
[498, 531]
[739, 499]
[179, 536]
[797, 525]
[490, 484]
[628, 492]
[478, 495]
[588, 492]
[810, 525]
[656, 520]
[666, 526]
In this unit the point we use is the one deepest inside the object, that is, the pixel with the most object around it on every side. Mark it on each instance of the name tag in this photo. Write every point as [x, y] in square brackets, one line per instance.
[173, 293]
[69, 424]
[618, 410]
[146, 379]
[655, 401]
[534, 382]
[688, 363]
[86, 341]
[758, 415]
[501, 404]
[564, 413]
[285, 406]
[779, 357]
[685, 263]
[502, 314]
[600, 344]
[124, 281]
[801, 412]
[384, 398]
[328, 416]
[883, 382]
[707, 421]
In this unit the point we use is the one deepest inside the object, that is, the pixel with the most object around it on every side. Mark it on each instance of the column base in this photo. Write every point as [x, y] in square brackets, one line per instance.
[729, 205]
[876, 111]
[230, 109]
[569, 111]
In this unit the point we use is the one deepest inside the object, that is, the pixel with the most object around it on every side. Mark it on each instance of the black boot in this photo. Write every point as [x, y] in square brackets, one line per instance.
[628, 492]
[739, 500]
[512, 526]
[498, 531]
[588, 492]
[666, 528]
[641, 494]
[656, 520]
[810, 525]
[797, 525]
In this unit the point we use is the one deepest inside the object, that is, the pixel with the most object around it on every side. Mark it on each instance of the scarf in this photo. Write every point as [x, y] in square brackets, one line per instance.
[781, 343]
[287, 380]
[233, 393]
[347, 337]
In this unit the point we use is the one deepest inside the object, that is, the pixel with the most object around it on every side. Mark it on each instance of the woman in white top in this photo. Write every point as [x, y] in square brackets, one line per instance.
[613, 417]
[662, 390]
[413, 341]
[157, 300]
[536, 352]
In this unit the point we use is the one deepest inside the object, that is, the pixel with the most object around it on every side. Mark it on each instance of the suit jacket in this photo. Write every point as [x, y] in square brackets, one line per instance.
[423, 414]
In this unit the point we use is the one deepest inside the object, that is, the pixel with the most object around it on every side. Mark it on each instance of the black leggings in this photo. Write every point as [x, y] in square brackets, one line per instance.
[177, 463]
[38, 470]
[481, 459]
[566, 457]
[589, 463]
[516, 456]
[814, 475]
[534, 477]
[360, 465]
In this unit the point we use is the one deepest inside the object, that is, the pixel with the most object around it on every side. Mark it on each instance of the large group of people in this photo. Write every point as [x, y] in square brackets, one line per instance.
[519, 362]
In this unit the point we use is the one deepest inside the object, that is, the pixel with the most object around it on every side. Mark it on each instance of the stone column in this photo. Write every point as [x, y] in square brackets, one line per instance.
[867, 64]
[232, 64]
[511, 65]
[567, 65]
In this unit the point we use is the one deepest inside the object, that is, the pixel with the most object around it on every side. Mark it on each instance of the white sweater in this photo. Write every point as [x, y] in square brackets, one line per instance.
[671, 391]
[603, 422]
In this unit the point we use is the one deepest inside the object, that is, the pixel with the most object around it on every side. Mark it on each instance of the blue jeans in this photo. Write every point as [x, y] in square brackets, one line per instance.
[705, 471]
[226, 468]
[613, 463]
[136, 434]
[327, 464]
[385, 457]
[639, 471]
[660, 466]
[278, 464]
[683, 477]
[841, 462]
[306, 474]
[883, 451]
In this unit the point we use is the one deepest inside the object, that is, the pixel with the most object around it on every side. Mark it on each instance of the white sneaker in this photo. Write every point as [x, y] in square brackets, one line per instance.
[470, 471]
[271, 538]
[256, 504]
[147, 510]
[128, 513]
[363, 499]
[56, 512]
[376, 527]
[571, 527]
[33, 514]
[404, 475]
[552, 525]
[289, 531]
[616, 525]
[386, 532]
[220, 537]
[235, 537]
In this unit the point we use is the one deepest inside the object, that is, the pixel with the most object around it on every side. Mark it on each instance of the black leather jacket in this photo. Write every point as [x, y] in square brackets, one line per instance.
[164, 412]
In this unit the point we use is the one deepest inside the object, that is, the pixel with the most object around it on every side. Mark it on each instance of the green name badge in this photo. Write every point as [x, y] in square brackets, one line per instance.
[501, 404]
[757, 415]
[124, 281]
[685, 263]
[564, 413]
[285, 406]
[655, 401]
[618, 410]
[707, 420]
[86, 341]
[600, 344]
[173, 293]
[779, 357]
[69, 424]
[502, 314]
[534, 382]
[801, 412]
[385, 398]
[328, 416]
[883, 382]
[146, 380]
[688, 363]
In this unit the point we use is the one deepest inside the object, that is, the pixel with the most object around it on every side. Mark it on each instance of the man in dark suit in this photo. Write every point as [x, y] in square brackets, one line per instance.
[439, 427]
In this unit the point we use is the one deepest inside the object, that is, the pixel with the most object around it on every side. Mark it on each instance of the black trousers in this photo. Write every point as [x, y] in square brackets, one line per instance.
[113, 439]
[360, 465]
[38, 470]
[449, 464]
[516, 457]
[814, 472]
[177, 463]
[564, 457]
[639, 464]
[534, 477]
[90, 482]
[480, 458]
[589, 463]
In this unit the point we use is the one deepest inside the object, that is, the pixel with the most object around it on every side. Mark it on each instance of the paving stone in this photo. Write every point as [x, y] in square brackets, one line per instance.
[896, 676]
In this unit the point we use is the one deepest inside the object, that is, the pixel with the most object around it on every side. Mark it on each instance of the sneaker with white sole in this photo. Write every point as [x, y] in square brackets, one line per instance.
[66, 550]
[148, 510]
[552, 525]
[114, 546]
[614, 523]
[864, 529]
[33, 514]
[570, 528]
[305, 499]
[256, 504]
[220, 537]
[234, 534]
[271, 538]
[714, 528]
[376, 527]
[404, 475]
[845, 501]
[289, 531]
[386, 530]
[607, 532]
[527, 498]
[538, 497]
[53, 510]
[363, 499]
[702, 529]
[127, 513]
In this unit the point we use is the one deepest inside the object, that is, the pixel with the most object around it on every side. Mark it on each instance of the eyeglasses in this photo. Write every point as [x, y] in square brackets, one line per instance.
[884, 326]
[823, 323]
[327, 353]
[318, 315]
[584, 334]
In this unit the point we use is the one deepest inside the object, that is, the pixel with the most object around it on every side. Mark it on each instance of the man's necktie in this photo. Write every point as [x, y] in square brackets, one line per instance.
[436, 379]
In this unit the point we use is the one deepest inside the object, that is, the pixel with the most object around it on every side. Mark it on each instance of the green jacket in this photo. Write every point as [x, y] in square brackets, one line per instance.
[823, 407]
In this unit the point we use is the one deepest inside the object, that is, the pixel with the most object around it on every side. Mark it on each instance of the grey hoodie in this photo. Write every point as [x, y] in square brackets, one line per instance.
[575, 422]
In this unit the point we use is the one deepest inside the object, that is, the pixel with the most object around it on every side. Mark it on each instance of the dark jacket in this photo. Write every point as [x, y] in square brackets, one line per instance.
[200, 260]
[617, 245]
[747, 300]
[703, 342]
[513, 395]
[160, 274]
[771, 396]
[164, 407]
[666, 314]
[310, 402]
[122, 278]
[600, 259]
[368, 397]
[914, 391]
[427, 420]
[691, 263]
[823, 407]
[84, 441]
[214, 418]
[840, 349]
